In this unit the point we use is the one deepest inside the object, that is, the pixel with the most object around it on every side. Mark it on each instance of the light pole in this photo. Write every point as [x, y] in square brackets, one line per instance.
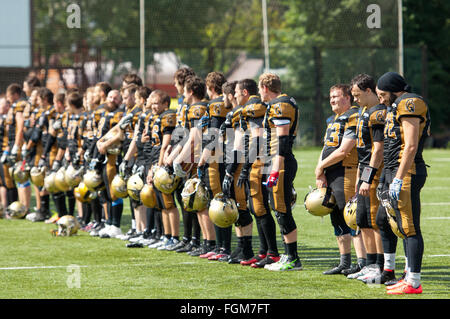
[266, 37]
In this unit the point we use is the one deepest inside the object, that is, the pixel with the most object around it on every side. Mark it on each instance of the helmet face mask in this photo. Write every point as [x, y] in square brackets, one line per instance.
[195, 196]
[21, 172]
[134, 186]
[320, 201]
[165, 181]
[83, 193]
[67, 226]
[223, 211]
[350, 212]
[119, 187]
[16, 210]
[385, 201]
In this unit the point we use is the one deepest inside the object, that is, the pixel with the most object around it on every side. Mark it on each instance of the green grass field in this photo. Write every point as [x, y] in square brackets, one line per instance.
[33, 264]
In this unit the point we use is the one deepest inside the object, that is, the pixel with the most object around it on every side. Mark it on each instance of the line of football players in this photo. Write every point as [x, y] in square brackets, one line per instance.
[369, 176]
[225, 156]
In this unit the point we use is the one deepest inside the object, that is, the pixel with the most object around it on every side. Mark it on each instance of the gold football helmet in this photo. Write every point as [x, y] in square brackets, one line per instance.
[21, 172]
[83, 193]
[37, 175]
[60, 180]
[320, 201]
[49, 183]
[116, 147]
[165, 181]
[350, 212]
[390, 212]
[134, 186]
[16, 210]
[195, 196]
[223, 211]
[67, 225]
[119, 187]
[93, 180]
[73, 176]
[148, 196]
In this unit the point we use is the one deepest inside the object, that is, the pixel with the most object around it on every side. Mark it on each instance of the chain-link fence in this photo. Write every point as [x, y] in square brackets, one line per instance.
[313, 44]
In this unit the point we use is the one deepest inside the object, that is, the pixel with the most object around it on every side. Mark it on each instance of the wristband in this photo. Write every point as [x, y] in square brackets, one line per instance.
[368, 174]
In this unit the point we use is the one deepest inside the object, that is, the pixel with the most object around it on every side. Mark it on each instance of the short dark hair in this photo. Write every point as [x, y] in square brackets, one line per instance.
[364, 82]
[14, 88]
[196, 85]
[182, 74]
[33, 81]
[132, 88]
[132, 78]
[46, 94]
[75, 99]
[345, 89]
[229, 87]
[250, 85]
[215, 80]
[144, 92]
[105, 87]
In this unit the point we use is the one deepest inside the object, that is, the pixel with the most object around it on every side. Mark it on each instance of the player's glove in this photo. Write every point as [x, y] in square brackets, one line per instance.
[201, 172]
[243, 176]
[204, 121]
[226, 185]
[178, 170]
[4, 157]
[395, 188]
[272, 180]
[56, 165]
[125, 121]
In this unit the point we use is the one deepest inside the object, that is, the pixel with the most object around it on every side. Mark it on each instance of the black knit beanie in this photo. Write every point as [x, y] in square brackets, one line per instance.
[393, 82]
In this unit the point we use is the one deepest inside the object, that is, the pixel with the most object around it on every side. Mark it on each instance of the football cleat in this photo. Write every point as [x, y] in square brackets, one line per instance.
[286, 263]
[270, 259]
[364, 271]
[336, 270]
[404, 288]
[252, 260]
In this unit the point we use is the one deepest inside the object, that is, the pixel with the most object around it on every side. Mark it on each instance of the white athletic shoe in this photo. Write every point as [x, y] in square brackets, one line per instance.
[103, 233]
[114, 231]
[363, 272]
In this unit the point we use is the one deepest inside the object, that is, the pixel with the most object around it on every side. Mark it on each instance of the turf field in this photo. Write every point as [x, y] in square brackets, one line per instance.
[33, 264]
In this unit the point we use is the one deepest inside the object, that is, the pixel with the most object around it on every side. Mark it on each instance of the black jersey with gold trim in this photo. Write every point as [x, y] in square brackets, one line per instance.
[163, 124]
[343, 125]
[282, 110]
[407, 105]
[370, 129]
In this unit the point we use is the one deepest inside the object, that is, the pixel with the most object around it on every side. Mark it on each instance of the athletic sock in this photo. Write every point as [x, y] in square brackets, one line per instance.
[345, 260]
[380, 261]
[291, 250]
[371, 259]
[414, 279]
[247, 248]
[389, 261]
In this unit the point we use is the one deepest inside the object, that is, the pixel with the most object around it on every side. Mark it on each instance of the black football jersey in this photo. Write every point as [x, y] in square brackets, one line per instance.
[370, 129]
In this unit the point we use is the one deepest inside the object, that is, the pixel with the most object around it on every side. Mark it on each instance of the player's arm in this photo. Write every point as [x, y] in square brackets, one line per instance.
[337, 156]
[20, 126]
[375, 162]
[321, 180]
[410, 127]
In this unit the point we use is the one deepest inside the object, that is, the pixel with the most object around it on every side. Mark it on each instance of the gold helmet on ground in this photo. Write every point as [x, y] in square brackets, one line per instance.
[60, 180]
[390, 212]
[67, 225]
[37, 175]
[119, 187]
[49, 183]
[134, 186]
[21, 172]
[148, 196]
[223, 211]
[195, 196]
[83, 193]
[73, 176]
[93, 180]
[165, 181]
[16, 210]
[320, 201]
[350, 212]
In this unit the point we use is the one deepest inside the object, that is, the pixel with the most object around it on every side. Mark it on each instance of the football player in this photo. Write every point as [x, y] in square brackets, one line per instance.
[370, 157]
[211, 166]
[106, 162]
[15, 122]
[194, 92]
[280, 125]
[191, 227]
[4, 107]
[253, 174]
[406, 128]
[337, 168]
[160, 136]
